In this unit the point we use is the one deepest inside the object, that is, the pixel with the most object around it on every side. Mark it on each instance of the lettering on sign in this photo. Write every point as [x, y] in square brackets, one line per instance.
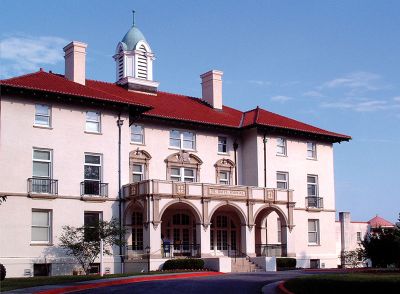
[226, 192]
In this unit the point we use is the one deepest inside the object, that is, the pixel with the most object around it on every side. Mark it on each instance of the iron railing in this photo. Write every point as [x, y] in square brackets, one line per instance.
[314, 202]
[94, 188]
[43, 186]
[181, 249]
[271, 250]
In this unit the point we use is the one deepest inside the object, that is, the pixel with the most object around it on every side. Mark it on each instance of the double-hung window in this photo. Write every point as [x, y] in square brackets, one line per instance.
[41, 171]
[93, 124]
[182, 140]
[311, 150]
[183, 174]
[92, 174]
[313, 231]
[312, 186]
[224, 177]
[137, 134]
[42, 115]
[41, 226]
[137, 172]
[281, 146]
[91, 223]
[282, 180]
[222, 145]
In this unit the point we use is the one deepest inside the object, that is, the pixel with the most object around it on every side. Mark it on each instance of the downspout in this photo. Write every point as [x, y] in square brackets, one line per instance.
[120, 122]
[235, 147]
[265, 159]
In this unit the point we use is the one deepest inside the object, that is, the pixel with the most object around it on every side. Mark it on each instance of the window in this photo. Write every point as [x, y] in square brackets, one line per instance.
[282, 180]
[358, 236]
[224, 177]
[137, 134]
[41, 269]
[93, 121]
[281, 146]
[41, 226]
[41, 171]
[137, 172]
[42, 115]
[183, 174]
[182, 140]
[222, 145]
[313, 231]
[91, 222]
[279, 229]
[311, 150]
[137, 230]
[312, 186]
[92, 174]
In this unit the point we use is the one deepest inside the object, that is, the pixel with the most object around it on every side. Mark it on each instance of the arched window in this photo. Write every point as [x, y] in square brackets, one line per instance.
[139, 165]
[142, 63]
[183, 167]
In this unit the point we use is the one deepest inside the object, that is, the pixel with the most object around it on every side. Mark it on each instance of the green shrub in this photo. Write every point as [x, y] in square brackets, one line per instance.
[2, 272]
[187, 263]
[284, 263]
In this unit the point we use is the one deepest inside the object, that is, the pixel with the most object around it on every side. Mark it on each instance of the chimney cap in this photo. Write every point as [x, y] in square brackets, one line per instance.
[75, 44]
[212, 72]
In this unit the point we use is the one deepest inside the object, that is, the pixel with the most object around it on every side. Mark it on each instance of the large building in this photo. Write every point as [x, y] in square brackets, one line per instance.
[214, 181]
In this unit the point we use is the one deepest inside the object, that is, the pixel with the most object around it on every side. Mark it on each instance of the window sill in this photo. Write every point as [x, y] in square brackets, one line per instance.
[222, 153]
[311, 158]
[43, 127]
[281, 155]
[41, 244]
[175, 148]
[140, 144]
[314, 245]
[93, 133]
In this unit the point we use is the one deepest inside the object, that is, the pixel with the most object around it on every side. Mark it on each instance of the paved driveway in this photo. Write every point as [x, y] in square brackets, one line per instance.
[239, 283]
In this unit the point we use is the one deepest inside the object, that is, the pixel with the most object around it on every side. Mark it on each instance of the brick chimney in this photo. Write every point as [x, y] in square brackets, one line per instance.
[75, 62]
[211, 84]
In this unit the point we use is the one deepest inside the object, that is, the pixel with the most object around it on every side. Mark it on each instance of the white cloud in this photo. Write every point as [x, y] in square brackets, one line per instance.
[22, 54]
[260, 83]
[313, 93]
[397, 99]
[280, 98]
[358, 106]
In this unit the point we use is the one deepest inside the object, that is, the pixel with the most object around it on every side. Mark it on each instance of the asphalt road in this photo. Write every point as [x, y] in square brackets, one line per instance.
[239, 283]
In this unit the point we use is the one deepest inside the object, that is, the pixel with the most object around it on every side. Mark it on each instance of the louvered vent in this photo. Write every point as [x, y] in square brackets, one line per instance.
[120, 65]
[142, 63]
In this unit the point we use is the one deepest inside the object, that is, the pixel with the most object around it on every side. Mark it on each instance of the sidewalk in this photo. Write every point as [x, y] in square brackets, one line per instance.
[79, 286]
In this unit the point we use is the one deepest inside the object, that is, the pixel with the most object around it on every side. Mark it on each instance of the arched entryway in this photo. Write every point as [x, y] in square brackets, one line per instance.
[226, 230]
[180, 230]
[133, 222]
[271, 232]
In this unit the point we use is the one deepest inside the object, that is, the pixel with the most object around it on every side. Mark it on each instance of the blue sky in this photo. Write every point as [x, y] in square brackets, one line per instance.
[334, 64]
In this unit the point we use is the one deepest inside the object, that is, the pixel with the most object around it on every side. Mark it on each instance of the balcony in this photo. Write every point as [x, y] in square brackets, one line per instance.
[314, 203]
[94, 189]
[271, 250]
[42, 187]
[216, 191]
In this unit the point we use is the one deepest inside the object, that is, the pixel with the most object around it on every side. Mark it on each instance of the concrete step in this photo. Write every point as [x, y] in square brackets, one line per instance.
[243, 265]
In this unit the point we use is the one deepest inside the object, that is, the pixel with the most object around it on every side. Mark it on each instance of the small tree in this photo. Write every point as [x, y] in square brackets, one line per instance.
[3, 199]
[83, 243]
[352, 258]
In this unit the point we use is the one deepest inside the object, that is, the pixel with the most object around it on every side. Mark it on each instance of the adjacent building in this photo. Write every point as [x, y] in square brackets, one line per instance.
[213, 181]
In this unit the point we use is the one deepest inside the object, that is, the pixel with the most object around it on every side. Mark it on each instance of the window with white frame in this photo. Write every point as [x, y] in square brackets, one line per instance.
[42, 163]
[93, 122]
[92, 174]
[313, 231]
[137, 172]
[279, 229]
[282, 180]
[183, 174]
[222, 145]
[42, 115]
[182, 140]
[312, 186]
[281, 146]
[311, 150]
[224, 177]
[137, 134]
[41, 226]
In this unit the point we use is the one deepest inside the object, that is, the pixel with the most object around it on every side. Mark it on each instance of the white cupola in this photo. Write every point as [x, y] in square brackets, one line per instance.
[134, 62]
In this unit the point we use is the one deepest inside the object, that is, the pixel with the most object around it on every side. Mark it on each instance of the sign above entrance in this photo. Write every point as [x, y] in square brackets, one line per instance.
[226, 192]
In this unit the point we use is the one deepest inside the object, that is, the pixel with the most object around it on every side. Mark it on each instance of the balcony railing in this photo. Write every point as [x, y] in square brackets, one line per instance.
[181, 249]
[94, 188]
[42, 186]
[277, 250]
[314, 202]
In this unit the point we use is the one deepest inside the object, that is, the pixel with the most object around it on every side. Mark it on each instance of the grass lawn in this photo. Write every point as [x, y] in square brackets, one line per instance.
[346, 283]
[18, 283]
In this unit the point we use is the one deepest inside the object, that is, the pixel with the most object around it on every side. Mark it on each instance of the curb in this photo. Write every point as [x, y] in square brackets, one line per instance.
[282, 289]
[70, 289]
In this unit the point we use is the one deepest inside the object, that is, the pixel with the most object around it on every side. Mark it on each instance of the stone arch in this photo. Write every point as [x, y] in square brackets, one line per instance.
[141, 157]
[224, 165]
[194, 209]
[275, 208]
[183, 159]
[241, 214]
[133, 205]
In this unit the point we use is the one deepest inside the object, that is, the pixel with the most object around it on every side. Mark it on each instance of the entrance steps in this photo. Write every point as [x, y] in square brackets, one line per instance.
[244, 265]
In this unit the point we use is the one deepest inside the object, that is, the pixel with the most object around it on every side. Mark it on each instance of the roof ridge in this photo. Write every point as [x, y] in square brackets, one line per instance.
[24, 75]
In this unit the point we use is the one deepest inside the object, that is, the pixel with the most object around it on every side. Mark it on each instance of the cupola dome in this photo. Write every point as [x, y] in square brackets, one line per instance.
[131, 38]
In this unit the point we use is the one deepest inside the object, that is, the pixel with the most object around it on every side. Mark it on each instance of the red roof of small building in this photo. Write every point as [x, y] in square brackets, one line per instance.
[164, 105]
[377, 222]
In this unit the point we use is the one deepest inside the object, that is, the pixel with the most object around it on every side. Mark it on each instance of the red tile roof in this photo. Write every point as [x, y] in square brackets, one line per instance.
[377, 222]
[164, 105]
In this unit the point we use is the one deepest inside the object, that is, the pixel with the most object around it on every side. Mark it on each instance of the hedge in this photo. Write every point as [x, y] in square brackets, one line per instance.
[186, 263]
[285, 263]
[2, 272]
